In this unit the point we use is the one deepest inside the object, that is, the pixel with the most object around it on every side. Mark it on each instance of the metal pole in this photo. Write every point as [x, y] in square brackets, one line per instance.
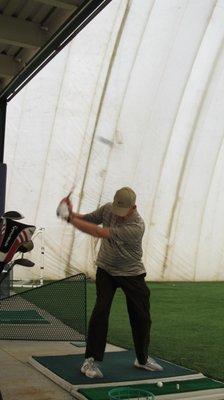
[5, 287]
[42, 257]
[3, 105]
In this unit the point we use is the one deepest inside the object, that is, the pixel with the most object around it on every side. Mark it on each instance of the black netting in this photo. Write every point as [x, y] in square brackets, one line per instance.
[55, 311]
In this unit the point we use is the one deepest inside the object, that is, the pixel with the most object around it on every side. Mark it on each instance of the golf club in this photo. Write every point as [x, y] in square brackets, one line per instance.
[24, 262]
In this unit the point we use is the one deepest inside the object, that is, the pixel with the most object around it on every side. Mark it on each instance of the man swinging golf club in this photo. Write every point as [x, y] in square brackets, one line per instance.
[119, 264]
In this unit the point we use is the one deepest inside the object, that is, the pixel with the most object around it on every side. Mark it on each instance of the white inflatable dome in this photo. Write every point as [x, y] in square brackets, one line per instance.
[136, 99]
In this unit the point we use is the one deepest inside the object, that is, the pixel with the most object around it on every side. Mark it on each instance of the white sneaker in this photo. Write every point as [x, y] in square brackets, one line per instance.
[91, 369]
[150, 365]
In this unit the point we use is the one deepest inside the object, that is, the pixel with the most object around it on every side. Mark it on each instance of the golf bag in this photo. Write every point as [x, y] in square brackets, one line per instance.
[14, 237]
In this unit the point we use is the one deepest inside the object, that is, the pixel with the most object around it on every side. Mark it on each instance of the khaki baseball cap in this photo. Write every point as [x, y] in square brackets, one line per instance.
[124, 199]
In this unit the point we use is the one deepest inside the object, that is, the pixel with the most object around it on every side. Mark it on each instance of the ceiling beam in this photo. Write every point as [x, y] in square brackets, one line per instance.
[18, 32]
[4, 82]
[87, 10]
[8, 66]
[65, 4]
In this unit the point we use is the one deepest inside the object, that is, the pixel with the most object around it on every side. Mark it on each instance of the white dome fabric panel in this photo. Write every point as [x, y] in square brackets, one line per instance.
[136, 99]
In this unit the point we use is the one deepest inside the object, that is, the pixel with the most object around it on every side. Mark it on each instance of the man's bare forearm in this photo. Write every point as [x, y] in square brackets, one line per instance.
[76, 215]
[84, 226]
[77, 220]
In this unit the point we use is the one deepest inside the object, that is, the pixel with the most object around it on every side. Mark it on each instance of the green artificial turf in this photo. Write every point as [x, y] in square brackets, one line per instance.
[21, 317]
[188, 324]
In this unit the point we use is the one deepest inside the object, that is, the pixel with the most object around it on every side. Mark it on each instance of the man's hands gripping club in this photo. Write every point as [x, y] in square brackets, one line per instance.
[64, 211]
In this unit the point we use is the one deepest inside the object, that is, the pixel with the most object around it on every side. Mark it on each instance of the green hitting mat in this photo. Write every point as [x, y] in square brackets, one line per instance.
[21, 317]
[116, 367]
[173, 387]
[174, 382]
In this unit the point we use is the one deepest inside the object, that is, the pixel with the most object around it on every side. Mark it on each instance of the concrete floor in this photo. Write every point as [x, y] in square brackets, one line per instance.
[20, 381]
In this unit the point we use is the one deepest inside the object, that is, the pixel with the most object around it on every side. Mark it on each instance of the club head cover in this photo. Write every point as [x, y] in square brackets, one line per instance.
[27, 246]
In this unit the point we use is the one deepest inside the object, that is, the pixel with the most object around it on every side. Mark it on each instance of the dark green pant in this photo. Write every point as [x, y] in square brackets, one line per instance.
[137, 299]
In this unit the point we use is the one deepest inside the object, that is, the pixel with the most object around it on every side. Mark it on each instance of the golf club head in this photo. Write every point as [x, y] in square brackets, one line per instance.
[13, 215]
[24, 262]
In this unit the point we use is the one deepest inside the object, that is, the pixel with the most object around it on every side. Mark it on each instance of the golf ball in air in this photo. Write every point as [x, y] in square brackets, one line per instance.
[160, 384]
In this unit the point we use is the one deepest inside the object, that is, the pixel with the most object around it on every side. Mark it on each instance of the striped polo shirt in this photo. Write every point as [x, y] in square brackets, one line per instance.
[121, 254]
